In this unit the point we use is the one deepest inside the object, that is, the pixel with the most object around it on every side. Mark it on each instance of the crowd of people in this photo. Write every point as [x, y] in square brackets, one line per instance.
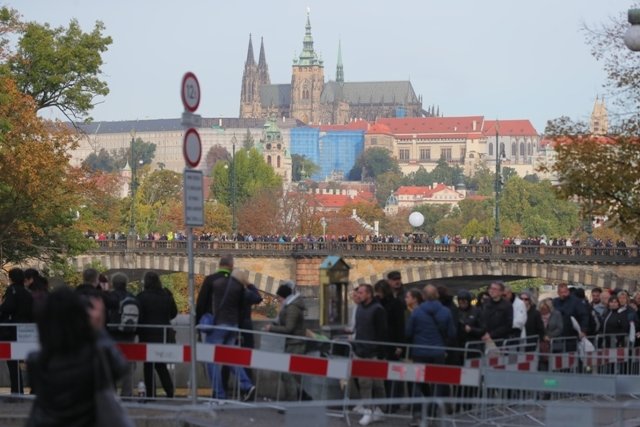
[388, 321]
[421, 238]
[438, 329]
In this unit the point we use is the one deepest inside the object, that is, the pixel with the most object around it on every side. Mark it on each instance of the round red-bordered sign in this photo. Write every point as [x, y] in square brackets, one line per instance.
[190, 92]
[192, 147]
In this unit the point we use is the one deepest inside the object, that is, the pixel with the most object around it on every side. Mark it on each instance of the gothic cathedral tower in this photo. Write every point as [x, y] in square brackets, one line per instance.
[307, 81]
[599, 123]
[252, 78]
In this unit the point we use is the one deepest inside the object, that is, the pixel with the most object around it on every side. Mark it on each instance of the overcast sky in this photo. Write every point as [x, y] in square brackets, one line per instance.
[506, 59]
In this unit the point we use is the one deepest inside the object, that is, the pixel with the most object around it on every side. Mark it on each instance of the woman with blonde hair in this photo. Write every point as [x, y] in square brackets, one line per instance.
[552, 321]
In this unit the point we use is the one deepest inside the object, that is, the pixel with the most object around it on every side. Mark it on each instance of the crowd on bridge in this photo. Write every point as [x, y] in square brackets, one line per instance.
[406, 238]
[388, 321]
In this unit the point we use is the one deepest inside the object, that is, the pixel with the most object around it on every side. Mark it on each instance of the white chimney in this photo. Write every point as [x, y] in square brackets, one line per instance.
[475, 124]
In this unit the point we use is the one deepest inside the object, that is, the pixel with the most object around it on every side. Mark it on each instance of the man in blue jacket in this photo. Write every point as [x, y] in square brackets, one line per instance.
[428, 329]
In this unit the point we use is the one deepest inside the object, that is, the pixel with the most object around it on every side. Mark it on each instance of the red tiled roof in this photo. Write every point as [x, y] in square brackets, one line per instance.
[509, 128]
[431, 125]
[379, 128]
[420, 191]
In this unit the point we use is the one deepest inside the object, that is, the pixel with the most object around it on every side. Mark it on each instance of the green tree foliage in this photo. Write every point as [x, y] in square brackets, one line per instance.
[373, 162]
[101, 161]
[537, 210]
[60, 67]
[482, 181]
[247, 142]
[386, 184]
[446, 174]
[300, 163]
[252, 175]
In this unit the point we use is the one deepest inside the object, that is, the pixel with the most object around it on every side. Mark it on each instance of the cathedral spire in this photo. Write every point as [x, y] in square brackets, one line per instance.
[308, 55]
[263, 68]
[339, 67]
[250, 58]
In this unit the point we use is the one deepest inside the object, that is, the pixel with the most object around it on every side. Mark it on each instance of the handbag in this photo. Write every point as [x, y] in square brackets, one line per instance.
[109, 409]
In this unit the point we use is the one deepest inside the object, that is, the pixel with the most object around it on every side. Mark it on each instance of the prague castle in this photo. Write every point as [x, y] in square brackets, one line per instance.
[310, 99]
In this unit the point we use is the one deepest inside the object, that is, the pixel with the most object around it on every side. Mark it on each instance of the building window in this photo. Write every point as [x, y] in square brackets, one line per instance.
[522, 149]
[404, 155]
[463, 153]
[374, 141]
[530, 149]
[278, 160]
[514, 149]
[491, 149]
[269, 160]
[445, 153]
[425, 154]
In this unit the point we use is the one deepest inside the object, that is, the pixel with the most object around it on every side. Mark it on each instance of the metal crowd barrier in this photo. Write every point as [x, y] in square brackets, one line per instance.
[329, 367]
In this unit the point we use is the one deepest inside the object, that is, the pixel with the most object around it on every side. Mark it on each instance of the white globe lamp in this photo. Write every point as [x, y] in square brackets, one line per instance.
[416, 219]
[632, 36]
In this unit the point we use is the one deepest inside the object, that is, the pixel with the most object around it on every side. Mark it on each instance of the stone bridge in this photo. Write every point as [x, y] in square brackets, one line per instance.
[270, 263]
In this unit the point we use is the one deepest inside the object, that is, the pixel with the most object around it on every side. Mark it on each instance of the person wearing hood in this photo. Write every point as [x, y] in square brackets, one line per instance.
[291, 322]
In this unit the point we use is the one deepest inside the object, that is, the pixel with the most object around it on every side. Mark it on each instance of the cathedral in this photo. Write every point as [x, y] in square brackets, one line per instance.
[310, 99]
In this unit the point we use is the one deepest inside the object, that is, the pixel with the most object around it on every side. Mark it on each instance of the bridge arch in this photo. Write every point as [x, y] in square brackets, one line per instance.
[175, 264]
[588, 275]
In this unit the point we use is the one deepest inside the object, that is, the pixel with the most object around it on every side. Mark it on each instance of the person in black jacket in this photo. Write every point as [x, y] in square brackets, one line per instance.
[63, 372]
[17, 307]
[395, 330]
[534, 325]
[496, 317]
[222, 298]
[371, 327]
[570, 306]
[157, 307]
[615, 325]
[119, 282]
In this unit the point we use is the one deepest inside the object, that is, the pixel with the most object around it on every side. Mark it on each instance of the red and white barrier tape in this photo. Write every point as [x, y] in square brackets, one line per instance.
[338, 368]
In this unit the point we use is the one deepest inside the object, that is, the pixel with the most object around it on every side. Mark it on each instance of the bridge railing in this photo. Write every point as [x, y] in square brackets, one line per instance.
[463, 251]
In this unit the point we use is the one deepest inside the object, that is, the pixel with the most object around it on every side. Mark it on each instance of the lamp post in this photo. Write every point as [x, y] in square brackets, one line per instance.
[498, 186]
[132, 185]
[234, 225]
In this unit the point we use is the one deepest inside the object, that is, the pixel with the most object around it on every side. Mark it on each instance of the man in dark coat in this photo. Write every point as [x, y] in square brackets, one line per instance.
[222, 298]
[496, 317]
[570, 306]
[17, 307]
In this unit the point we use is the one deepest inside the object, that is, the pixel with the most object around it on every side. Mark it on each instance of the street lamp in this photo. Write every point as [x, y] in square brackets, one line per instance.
[632, 36]
[234, 225]
[498, 185]
[132, 186]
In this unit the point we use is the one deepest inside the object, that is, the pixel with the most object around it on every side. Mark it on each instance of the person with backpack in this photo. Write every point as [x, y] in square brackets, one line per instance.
[122, 323]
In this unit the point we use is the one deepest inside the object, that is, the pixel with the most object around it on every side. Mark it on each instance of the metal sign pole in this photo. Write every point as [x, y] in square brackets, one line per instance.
[192, 317]
[193, 211]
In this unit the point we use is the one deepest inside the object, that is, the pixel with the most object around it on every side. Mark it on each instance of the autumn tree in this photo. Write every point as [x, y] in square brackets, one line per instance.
[603, 175]
[101, 208]
[59, 67]
[39, 190]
